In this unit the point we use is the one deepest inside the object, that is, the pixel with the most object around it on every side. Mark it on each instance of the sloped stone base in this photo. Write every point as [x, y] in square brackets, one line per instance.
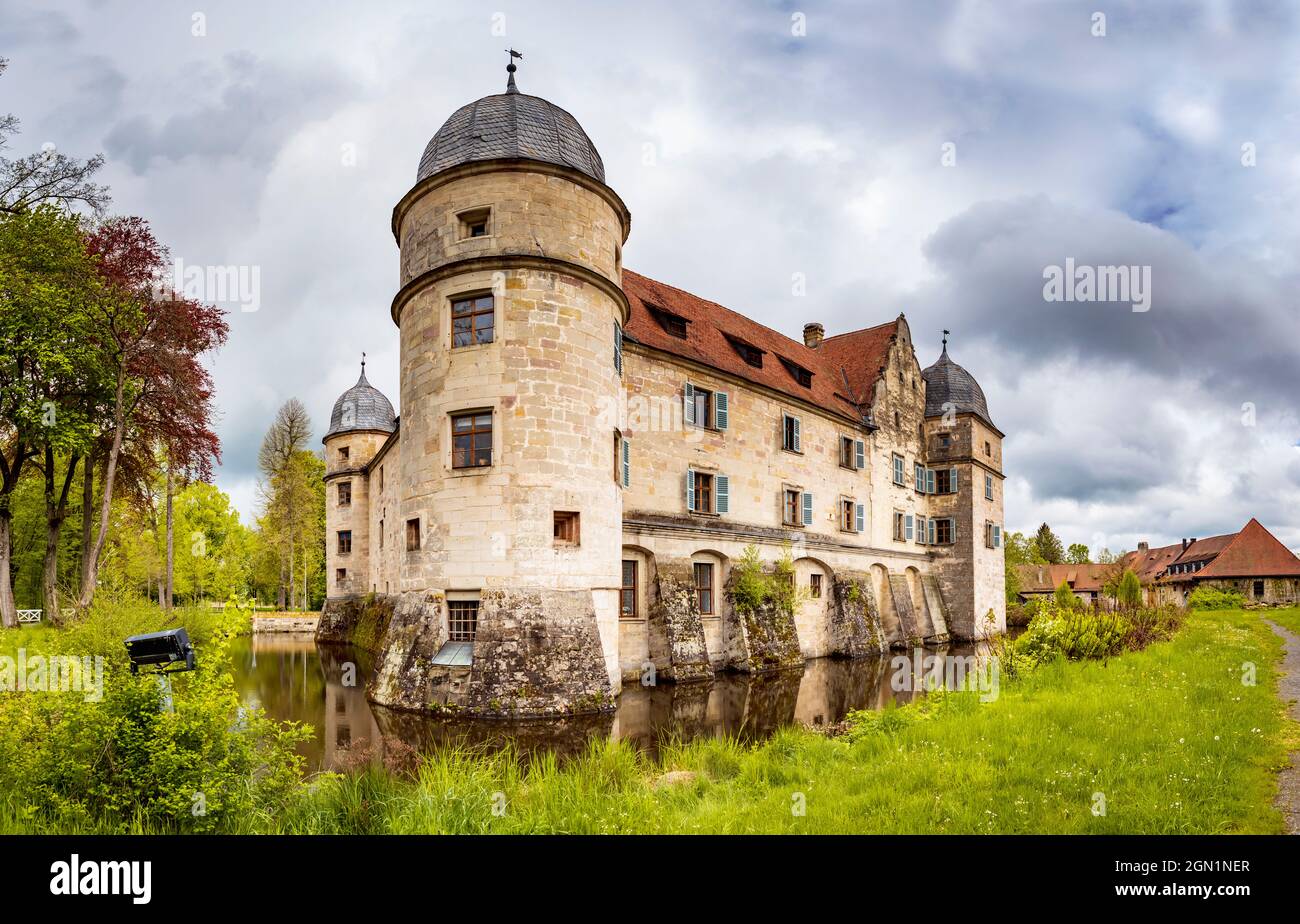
[360, 620]
[856, 630]
[908, 618]
[675, 617]
[763, 640]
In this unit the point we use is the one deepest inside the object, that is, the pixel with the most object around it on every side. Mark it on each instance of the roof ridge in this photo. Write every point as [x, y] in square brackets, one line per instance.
[860, 330]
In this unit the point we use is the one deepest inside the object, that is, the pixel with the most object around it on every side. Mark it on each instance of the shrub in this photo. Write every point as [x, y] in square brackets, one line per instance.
[1078, 634]
[752, 587]
[1206, 597]
[1129, 593]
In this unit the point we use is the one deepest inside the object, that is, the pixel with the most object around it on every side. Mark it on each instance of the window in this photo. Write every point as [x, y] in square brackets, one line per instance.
[791, 508]
[848, 515]
[988, 450]
[704, 587]
[797, 372]
[1259, 590]
[992, 535]
[815, 586]
[413, 535]
[345, 541]
[988, 487]
[345, 493]
[920, 530]
[945, 531]
[674, 324]
[472, 320]
[751, 354]
[898, 470]
[471, 440]
[944, 440]
[791, 440]
[475, 223]
[381, 534]
[707, 493]
[705, 408]
[381, 478]
[566, 528]
[946, 481]
[343, 453]
[899, 525]
[627, 594]
[897, 420]
[340, 575]
[853, 453]
[462, 620]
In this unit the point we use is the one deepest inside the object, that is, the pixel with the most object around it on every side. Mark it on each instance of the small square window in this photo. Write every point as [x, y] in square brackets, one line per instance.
[343, 453]
[475, 223]
[345, 493]
[340, 575]
[566, 528]
[944, 440]
[462, 620]
[815, 586]
[988, 448]
[413, 535]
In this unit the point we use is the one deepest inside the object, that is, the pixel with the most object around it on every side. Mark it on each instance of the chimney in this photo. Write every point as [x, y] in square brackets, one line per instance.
[1144, 547]
[1184, 545]
[813, 334]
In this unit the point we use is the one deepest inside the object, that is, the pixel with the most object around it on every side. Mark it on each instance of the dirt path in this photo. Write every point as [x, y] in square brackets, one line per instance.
[1288, 687]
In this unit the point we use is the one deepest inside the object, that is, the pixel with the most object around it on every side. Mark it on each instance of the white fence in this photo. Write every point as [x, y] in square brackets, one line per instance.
[29, 615]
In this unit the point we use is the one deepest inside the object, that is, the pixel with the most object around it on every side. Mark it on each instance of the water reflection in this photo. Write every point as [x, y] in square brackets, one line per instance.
[295, 679]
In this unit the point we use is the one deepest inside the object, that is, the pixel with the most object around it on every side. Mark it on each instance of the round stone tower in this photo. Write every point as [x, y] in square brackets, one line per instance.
[510, 312]
[961, 437]
[361, 422]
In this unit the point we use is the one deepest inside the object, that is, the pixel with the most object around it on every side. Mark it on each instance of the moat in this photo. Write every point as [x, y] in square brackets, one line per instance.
[295, 679]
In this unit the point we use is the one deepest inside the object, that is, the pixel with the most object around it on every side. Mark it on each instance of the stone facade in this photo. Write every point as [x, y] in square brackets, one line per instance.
[588, 471]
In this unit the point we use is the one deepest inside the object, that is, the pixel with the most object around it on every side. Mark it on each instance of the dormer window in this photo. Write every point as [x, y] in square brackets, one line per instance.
[674, 324]
[797, 372]
[751, 354]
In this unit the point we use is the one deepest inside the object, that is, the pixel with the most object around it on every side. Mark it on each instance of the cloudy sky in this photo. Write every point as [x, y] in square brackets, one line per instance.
[931, 158]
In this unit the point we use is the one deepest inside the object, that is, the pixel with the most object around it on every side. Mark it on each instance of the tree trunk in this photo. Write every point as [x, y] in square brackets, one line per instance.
[56, 511]
[110, 473]
[279, 591]
[87, 517]
[171, 560]
[8, 611]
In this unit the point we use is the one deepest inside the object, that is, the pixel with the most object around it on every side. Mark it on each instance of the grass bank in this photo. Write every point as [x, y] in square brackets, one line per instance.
[1165, 740]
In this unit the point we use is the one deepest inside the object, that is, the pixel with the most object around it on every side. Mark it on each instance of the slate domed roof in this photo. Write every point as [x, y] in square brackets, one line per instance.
[362, 407]
[511, 125]
[948, 383]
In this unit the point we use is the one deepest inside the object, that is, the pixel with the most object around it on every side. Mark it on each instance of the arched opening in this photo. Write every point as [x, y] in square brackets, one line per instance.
[635, 598]
[812, 618]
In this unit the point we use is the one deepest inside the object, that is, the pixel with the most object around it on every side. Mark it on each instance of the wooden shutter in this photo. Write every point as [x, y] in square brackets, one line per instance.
[627, 463]
[929, 481]
[798, 439]
[952, 480]
[807, 509]
[907, 528]
[721, 493]
[720, 410]
[861, 517]
[860, 452]
[688, 411]
[690, 489]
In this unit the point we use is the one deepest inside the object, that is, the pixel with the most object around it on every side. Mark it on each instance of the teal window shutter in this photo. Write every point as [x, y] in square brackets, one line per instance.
[920, 530]
[690, 489]
[952, 480]
[618, 348]
[689, 404]
[861, 518]
[807, 509]
[920, 477]
[907, 527]
[798, 439]
[627, 463]
[720, 410]
[860, 448]
[931, 536]
[723, 493]
[929, 481]
[997, 536]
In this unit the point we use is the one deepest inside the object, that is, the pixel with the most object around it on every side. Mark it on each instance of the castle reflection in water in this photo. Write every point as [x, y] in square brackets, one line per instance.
[295, 679]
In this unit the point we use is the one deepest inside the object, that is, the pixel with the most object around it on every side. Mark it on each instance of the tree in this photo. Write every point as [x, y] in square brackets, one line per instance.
[1048, 546]
[48, 177]
[1065, 597]
[285, 491]
[153, 342]
[1077, 554]
[1130, 590]
[46, 286]
[1107, 557]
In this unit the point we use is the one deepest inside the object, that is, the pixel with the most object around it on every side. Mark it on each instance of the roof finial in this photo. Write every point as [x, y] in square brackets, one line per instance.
[363, 369]
[510, 69]
[945, 339]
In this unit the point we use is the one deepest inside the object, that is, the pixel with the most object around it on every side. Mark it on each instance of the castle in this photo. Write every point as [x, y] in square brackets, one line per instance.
[584, 456]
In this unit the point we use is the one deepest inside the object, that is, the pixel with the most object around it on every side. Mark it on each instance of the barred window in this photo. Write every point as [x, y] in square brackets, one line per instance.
[462, 620]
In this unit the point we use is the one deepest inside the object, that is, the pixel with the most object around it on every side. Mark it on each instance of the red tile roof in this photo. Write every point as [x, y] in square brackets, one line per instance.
[1038, 579]
[1204, 549]
[856, 357]
[1150, 564]
[1253, 552]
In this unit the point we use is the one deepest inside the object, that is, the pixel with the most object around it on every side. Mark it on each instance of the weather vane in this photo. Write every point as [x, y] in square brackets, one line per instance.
[511, 68]
[363, 360]
[945, 338]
